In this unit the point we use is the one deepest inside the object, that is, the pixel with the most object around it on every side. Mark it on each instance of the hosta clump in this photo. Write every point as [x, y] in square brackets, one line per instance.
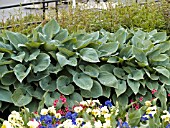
[82, 65]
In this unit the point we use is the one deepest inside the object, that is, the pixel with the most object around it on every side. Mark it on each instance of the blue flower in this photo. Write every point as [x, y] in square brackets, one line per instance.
[168, 126]
[68, 115]
[50, 126]
[74, 115]
[48, 119]
[42, 117]
[42, 126]
[150, 115]
[143, 118]
[108, 103]
[125, 125]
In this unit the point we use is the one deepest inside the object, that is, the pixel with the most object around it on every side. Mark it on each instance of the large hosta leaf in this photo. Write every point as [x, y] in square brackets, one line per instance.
[54, 69]
[61, 35]
[91, 70]
[159, 37]
[108, 79]
[89, 55]
[162, 70]
[3, 70]
[50, 97]
[62, 59]
[106, 91]
[108, 48]
[21, 72]
[19, 57]
[134, 85]
[5, 95]
[64, 86]
[32, 56]
[16, 38]
[139, 55]
[21, 98]
[95, 91]
[136, 75]
[37, 77]
[8, 78]
[41, 63]
[152, 85]
[51, 28]
[47, 84]
[83, 81]
[119, 72]
[121, 88]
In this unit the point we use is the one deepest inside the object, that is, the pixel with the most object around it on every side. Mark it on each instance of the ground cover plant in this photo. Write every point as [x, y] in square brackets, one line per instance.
[147, 17]
[121, 66]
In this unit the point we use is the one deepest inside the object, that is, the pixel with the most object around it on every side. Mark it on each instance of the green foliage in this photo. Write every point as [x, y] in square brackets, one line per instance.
[82, 65]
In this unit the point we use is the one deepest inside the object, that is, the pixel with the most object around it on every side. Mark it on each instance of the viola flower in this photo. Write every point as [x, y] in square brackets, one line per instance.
[168, 126]
[6, 124]
[108, 103]
[148, 103]
[125, 125]
[87, 125]
[104, 110]
[144, 117]
[98, 124]
[78, 109]
[52, 110]
[44, 111]
[33, 124]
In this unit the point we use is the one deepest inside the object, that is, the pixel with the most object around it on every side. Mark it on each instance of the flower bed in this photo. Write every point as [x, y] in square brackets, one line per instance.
[91, 114]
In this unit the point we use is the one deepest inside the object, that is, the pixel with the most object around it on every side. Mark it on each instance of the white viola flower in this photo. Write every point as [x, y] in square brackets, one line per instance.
[58, 115]
[84, 103]
[33, 124]
[88, 110]
[91, 103]
[148, 103]
[96, 112]
[107, 116]
[67, 123]
[60, 126]
[44, 111]
[6, 124]
[78, 109]
[97, 101]
[106, 124]
[98, 124]
[166, 118]
[166, 112]
[52, 110]
[79, 121]
[104, 110]
[87, 125]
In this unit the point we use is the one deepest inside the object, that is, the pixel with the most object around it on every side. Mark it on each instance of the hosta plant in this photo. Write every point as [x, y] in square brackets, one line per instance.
[91, 114]
[81, 65]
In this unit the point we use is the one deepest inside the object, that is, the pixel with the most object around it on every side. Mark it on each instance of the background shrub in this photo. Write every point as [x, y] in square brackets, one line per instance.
[118, 65]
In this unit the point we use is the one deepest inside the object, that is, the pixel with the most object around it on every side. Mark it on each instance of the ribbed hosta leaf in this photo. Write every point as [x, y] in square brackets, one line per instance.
[134, 85]
[64, 86]
[19, 57]
[8, 78]
[91, 70]
[121, 88]
[162, 70]
[83, 81]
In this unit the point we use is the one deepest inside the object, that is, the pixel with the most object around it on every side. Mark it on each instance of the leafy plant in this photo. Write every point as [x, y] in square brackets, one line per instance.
[82, 65]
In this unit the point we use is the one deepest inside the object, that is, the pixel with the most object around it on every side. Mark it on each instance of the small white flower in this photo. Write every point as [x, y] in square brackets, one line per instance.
[58, 115]
[78, 109]
[52, 110]
[87, 125]
[79, 121]
[44, 111]
[98, 124]
[148, 103]
[104, 110]
[84, 103]
[33, 124]
[88, 110]
[107, 125]
[6, 124]
[97, 101]
[96, 112]
[107, 116]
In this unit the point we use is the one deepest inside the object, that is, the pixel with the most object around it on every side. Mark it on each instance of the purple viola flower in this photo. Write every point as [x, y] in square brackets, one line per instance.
[50, 126]
[42, 126]
[68, 115]
[42, 117]
[74, 115]
[150, 115]
[168, 126]
[125, 125]
[48, 119]
[108, 103]
[144, 118]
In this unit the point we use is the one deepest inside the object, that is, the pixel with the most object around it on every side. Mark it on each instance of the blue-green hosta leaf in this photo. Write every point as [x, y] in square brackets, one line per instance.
[136, 75]
[134, 85]
[8, 78]
[162, 95]
[95, 35]
[164, 80]
[16, 38]
[51, 28]
[108, 79]
[95, 91]
[76, 97]
[91, 70]
[123, 100]
[47, 84]
[106, 91]
[21, 98]
[1, 55]
[159, 37]
[54, 69]
[66, 51]
[41, 63]
[119, 72]
[152, 85]
[64, 86]
[165, 46]
[162, 71]
[38, 93]
[140, 34]
[142, 91]
[126, 52]
[139, 55]
[51, 97]
[5, 95]
[21, 72]
[115, 59]
[51, 46]
[63, 34]
[107, 67]
[37, 77]
[121, 88]
[121, 35]
[160, 57]
[62, 59]
[32, 56]
[19, 57]
[83, 81]
[137, 42]
[3, 70]
[89, 55]
[82, 43]
[109, 48]
[5, 48]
